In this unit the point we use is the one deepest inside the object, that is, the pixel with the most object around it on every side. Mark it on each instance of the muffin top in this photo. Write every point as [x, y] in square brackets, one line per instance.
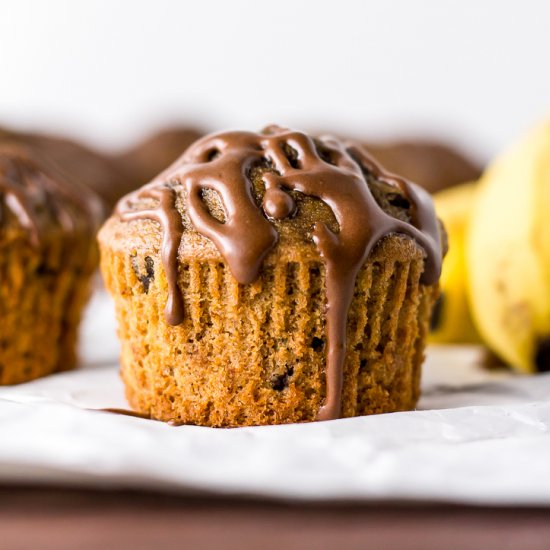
[432, 164]
[246, 191]
[36, 202]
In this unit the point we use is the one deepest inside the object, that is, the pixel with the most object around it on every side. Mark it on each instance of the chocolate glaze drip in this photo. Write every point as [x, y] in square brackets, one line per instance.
[326, 169]
[166, 214]
[37, 199]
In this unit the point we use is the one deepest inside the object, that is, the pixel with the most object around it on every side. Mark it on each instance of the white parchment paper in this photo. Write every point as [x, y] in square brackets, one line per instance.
[478, 437]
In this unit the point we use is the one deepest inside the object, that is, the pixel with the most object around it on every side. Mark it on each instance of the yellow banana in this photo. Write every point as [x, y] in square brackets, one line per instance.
[508, 254]
[451, 321]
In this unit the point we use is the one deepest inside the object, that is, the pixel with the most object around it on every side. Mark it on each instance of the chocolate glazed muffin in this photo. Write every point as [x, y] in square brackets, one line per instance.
[48, 253]
[270, 278]
[76, 162]
[433, 165]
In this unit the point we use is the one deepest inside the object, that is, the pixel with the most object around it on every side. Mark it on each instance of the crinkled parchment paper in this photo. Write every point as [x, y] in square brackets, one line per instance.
[478, 437]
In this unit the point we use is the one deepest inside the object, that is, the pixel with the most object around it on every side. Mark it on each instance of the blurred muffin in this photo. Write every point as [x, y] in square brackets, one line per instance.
[48, 253]
[76, 162]
[271, 278]
[147, 159]
[433, 165]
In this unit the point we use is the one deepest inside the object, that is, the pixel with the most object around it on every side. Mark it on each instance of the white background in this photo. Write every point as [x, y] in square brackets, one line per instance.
[477, 72]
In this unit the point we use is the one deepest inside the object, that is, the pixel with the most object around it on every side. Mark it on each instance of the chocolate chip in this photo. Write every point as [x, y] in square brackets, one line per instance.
[144, 279]
[315, 272]
[399, 201]
[150, 273]
[317, 343]
[280, 382]
[150, 267]
[43, 270]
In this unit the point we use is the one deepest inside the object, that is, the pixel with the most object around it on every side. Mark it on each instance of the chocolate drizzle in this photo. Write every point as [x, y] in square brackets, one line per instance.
[38, 200]
[327, 169]
[171, 236]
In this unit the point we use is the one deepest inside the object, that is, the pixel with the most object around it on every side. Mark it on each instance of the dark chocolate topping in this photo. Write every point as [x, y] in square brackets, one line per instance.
[38, 200]
[325, 168]
[102, 173]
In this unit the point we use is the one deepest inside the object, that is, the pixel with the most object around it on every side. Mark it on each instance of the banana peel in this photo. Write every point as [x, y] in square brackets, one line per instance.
[451, 319]
[508, 254]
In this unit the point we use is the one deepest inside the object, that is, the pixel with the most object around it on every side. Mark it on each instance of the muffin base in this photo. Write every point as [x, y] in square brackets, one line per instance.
[42, 296]
[256, 354]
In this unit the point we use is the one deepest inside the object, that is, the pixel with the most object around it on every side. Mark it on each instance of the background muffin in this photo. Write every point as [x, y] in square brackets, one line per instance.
[142, 162]
[75, 162]
[269, 278]
[111, 175]
[435, 165]
[47, 255]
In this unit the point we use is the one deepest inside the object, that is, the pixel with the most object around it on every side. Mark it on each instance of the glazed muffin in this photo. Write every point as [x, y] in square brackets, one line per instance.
[76, 162]
[48, 253]
[271, 278]
[431, 164]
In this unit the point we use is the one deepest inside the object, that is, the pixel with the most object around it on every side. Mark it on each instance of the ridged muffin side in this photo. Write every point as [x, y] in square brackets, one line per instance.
[41, 302]
[256, 354]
